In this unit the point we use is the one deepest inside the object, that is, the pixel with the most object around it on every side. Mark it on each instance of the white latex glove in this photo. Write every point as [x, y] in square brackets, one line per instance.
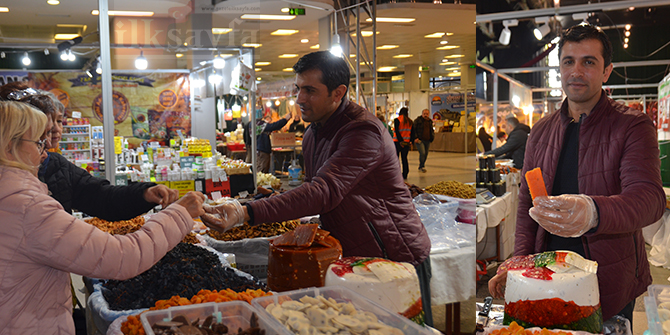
[224, 217]
[567, 215]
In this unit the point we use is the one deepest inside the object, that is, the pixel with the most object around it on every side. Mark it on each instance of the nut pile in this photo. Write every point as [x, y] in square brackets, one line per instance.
[118, 227]
[312, 315]
[248, 231]
[180, 325]
[453, 189]
[183, 271]
[130, 226]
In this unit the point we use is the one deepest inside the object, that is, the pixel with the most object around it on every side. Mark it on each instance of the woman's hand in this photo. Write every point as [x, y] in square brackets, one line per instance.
[193, 201]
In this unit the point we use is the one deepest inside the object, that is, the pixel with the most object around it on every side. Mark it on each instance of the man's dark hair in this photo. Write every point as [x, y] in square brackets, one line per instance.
[334, 70]
[512, 121]
[580, 32]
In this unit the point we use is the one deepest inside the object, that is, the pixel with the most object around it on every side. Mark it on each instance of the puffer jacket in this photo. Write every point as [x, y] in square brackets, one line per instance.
[74, 187]
[353, 180]
[41, 244]
[515, 147]
[619, 168]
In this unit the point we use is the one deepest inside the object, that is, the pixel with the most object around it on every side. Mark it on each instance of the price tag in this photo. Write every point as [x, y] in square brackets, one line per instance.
[186, 162]
[224, 176]
[216, 195]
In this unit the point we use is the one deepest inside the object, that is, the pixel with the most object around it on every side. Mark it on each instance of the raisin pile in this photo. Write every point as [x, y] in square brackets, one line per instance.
[183, 271]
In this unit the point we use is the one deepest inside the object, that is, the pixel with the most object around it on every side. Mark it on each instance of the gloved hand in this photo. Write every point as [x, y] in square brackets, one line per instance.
[224, 216]
[497, 285]
[567, 215]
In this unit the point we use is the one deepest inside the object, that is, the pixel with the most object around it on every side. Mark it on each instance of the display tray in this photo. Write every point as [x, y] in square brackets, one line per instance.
[340, 295]
[233, 314]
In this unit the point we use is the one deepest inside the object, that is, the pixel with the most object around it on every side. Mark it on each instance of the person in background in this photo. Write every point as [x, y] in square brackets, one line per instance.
[297, 126]
[601, 167]
[381, 118]
[59, 116]
[422, 135]
[485, 138]
[40, 244]
[402, 126]
[515, 147]
[352, 177]
[263, 144]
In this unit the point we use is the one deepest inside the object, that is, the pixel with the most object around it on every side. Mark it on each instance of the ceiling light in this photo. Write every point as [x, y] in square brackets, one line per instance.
[25, 60]
[2, 54]
[179, 55]
[628, 27]
[53, 2]
[443, 42]
[387, 47]
[336, 48]
[252, 45]
[316, 46]
[393, 19]
[402, 56]
[70, 56]
[46, 52]
[258, 78]
[448, 47]
[262, 63]
[455, 68]
[269, 103]
[435, 35]
[625, 45]
[221, 31]
[455, 56]
[287, 69]
[267, 17]
[124, 13]
[98, 67]
[141, 62]
[631, 8]
[88, 73]
[352, 55]
[63, 55]
[4, 9]
[284, 32]
[218, 62]
[288, 55]
[506, 34]
[304, 40]
[625, 40]
[447, 63]
[626, 33]
[543, 29]
[386, 68]
[453, 74]
[364, 33]
[65, 36]
[285, 10]
[277, 102]
[291, 102]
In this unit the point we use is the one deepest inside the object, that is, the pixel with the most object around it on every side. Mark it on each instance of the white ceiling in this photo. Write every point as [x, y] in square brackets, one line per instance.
[34, 21]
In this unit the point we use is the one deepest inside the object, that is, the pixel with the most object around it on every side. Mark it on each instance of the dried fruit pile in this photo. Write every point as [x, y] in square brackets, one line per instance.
[453, 189]
[262, 230]
[181, 325]
[515, 329]
[129, 226]
[133, 326]
[184, 271]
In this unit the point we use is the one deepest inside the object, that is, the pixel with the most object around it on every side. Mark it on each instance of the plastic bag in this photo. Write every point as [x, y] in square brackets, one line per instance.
[439, 219]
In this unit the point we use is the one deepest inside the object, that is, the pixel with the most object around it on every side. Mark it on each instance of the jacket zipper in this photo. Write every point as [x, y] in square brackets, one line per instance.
[379, 240]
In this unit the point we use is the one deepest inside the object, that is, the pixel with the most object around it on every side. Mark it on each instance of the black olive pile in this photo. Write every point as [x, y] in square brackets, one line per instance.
[184, 271]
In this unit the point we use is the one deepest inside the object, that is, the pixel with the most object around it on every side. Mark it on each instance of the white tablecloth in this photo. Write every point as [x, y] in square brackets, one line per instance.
[453, 275]
[501, 212]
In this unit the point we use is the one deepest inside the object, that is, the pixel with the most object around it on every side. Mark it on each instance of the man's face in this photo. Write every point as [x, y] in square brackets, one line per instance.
[316, 104]
[426, 114]
[583, 70]
[507, 127]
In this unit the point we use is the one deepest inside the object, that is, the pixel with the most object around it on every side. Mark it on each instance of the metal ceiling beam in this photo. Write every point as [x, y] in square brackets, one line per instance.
[565, 10]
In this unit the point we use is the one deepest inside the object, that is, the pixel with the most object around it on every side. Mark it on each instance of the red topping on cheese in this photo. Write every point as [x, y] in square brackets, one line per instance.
[538, 273]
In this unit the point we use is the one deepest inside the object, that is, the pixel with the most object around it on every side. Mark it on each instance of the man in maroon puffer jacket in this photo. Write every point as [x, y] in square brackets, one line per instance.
[600, 163]
[352, 176]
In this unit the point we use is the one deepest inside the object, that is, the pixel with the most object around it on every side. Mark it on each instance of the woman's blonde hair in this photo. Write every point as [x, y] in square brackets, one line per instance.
[17, 119]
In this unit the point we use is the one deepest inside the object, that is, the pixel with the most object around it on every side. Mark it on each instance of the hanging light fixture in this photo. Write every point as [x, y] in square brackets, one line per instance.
[336, 48]
[543, 29]
[141, 62]
[218, 62]
[98, 67]
[26, 60]
[506, 34]
[70, 56]
[63, 55]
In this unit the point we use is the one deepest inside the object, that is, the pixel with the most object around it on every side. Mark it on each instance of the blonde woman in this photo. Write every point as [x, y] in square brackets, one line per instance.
[40, 243]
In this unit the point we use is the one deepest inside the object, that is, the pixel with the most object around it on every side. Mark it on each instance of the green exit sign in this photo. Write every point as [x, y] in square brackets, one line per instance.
[296, 11]
[472, 66]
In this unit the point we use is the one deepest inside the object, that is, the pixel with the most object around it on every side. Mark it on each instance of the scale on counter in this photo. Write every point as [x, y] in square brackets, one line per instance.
[484, 196]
